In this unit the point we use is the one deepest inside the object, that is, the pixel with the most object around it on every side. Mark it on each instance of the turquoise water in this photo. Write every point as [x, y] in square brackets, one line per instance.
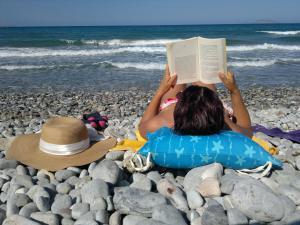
[133, 56]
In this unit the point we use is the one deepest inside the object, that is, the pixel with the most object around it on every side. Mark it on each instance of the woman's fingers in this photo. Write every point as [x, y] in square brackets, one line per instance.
[167, 71]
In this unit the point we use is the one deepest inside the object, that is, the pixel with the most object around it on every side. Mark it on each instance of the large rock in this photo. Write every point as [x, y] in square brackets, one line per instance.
[136, 201]
[61, 205]
[28, 209]
[46, 218]
[194, 199]
[173, 193]
[106, 170]
[141, 181]
[93, 190]
[209, 188]
[195, 176]
[168, 214]
[291, 192]
[257, 201]
[213, 215]
[40, 197]
[5, 164]
[236, 217]
[19, 220]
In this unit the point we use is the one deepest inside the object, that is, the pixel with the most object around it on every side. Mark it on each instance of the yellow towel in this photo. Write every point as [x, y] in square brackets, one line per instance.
[133, 145]
[266, 145]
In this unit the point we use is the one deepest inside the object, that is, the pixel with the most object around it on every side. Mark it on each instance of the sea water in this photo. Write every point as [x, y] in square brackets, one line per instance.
[120, 57]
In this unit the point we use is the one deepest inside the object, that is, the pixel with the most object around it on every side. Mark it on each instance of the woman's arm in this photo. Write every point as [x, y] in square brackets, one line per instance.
[147, 124]
[243, 123]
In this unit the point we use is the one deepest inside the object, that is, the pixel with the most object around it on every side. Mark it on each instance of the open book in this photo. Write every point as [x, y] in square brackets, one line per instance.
[197, 59]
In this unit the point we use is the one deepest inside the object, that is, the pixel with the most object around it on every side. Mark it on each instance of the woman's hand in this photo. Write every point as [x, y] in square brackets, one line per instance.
[167, 82]
[229, 81]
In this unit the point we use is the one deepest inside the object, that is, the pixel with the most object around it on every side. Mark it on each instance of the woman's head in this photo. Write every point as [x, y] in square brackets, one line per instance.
[199, 111]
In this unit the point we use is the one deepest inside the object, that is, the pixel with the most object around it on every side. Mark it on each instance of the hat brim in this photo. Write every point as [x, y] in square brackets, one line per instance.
[25, 149]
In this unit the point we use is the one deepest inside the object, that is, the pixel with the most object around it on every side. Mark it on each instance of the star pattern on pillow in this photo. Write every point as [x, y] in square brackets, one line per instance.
[179, 152]
[205, 158]
[217, 146]
[240, 160]
[249, 151]
[195, 139]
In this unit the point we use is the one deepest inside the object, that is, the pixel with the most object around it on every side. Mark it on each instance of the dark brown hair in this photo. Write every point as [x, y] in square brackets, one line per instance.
[199, 111]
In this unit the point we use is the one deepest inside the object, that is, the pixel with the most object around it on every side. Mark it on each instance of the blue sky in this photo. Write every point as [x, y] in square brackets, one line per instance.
[142, 12]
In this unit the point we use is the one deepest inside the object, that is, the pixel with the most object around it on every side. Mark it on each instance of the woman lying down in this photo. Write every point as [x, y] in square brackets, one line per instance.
[195, 109]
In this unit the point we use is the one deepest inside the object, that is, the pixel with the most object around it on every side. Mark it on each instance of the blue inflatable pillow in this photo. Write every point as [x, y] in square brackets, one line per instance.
[231, 149]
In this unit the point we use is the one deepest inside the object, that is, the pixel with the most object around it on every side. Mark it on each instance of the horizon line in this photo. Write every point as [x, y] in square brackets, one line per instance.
[151, 25]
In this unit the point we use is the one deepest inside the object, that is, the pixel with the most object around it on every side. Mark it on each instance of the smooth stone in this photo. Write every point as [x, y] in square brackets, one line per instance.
[2, 215]
[21, 170]
[133, 220]
[63, 175]
[98, 204]
[228, 181]
[5, 164]
[19, 220]
[154, 176]
[196, 221]
[291, 192]
[209, 188]
[63, 188]
[102, 216]
[214, 215]
[257, 201]
[141, 181]
[46, 217]
[192, 214]
[86, 222]
[110, 203]
[236, 217]
[73, 180]
[195, 176]
[115, 218]
[294, 219]
[61, 205]
[168, 214]
[67, 221]
[194, 199]
[107, 170]
[74, 169]
[297, 161]
[136, 201]
[79, 209]
[40, 197]
[11, 208]
[93, 190]
[152, 222]
[83, 173]
[32, 171]
[23, 180]
[91, 167]
[26, 210]
[115, 155]
[270, 183]
[173, 193]
[22, 190]
[288, 205]
[20, 199]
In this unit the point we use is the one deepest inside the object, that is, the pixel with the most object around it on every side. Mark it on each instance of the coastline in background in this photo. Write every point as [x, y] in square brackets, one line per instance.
[102, 58]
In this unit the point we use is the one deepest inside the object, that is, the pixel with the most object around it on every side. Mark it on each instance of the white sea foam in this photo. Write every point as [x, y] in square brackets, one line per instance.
[261, 63]
[123, 42]
[41, 52]
[22, 67]
[140, 66]
[283, 33]
[265, 46]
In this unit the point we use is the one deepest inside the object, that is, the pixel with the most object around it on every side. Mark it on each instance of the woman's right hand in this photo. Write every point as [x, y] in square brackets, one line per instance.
[229, 81]
[167, 82]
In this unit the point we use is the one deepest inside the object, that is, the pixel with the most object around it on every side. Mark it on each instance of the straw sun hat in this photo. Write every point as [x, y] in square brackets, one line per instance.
[63, 142]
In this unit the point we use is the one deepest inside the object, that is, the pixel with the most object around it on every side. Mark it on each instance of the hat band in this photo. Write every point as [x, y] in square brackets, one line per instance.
[68, 149]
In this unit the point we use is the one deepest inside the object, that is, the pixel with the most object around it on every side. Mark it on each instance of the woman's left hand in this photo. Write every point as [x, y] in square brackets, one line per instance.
[167, 82]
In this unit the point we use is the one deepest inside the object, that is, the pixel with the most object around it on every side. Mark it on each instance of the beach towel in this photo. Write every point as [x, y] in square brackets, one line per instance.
[276, 132]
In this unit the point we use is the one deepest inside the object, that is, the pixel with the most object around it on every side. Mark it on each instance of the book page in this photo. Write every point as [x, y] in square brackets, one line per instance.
[212, 59]
[183, 60]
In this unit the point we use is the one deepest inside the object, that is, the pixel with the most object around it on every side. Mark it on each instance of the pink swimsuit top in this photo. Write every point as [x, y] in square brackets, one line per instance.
[168, 102]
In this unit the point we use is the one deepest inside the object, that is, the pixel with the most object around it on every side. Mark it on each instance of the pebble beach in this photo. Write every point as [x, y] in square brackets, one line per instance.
[104, 192]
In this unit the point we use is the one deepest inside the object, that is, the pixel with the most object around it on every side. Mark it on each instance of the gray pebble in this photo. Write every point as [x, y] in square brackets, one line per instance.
[133, 220]
[115, 218]
[101, 216]
[291, 192]
[141, 181]
[46, 217]
[63, 175]
[98, 204]
[5, 163]
[136, 201]
[3, 197]
[236, 217]
[40, 197]
[74, 169]
[107, 170]
[5, 187]
[11, 208]
[67, 221]
[154, 176]
[83, 173]
[110, 204]
[32, 171]
[23, 180]
[2, 215]
[91, 167]
[61, 205]
[20, 199]
[115, 155]
[214, 215]
[79, 209]
[93, 190]
[63, 188]
[19, 220]
[21, 170]
[73, 180]
[168, 214]
[86, 222]
[194, 199]
[26, 210]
